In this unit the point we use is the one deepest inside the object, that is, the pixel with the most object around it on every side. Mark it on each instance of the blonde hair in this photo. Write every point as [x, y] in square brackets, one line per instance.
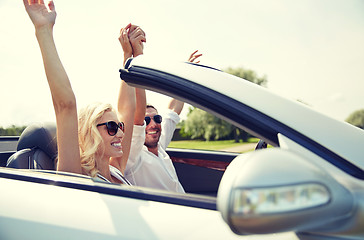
[90, 140]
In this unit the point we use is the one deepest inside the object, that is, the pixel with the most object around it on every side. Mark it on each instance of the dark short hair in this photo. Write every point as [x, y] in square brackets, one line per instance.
[151, 106]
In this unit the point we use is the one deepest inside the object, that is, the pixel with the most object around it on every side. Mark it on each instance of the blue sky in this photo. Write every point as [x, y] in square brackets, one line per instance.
[310, 50]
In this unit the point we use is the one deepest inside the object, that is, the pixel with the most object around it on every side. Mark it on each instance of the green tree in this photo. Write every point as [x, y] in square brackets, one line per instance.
[12, 131]
[356, 118]
[202, 125]
[248, 74]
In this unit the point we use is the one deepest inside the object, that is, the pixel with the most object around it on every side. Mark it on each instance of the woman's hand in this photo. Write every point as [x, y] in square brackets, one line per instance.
[125, 43]
[39, 13]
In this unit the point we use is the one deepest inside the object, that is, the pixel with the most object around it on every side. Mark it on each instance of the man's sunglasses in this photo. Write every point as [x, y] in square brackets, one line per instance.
[112, 127]
[156, 118]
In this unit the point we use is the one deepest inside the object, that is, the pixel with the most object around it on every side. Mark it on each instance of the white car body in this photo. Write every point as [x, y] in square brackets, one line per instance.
[309, 147]
[42, 211]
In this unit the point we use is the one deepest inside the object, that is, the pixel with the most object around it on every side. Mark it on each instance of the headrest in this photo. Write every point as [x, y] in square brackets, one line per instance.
[42, 136]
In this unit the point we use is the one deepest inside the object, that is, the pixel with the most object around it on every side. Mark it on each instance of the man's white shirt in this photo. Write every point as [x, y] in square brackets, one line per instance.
[145, 168]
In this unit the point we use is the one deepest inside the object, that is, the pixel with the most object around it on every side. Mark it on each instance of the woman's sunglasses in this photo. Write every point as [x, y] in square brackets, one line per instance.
[112, 127]
[156, 118]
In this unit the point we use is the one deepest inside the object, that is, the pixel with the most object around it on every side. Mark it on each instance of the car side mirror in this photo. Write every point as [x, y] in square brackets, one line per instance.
[275, 190]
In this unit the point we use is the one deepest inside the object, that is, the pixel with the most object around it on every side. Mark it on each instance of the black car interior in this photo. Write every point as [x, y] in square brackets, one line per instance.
[36, 149]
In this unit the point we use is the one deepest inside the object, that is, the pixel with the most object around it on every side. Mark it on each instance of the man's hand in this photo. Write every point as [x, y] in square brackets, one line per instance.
[137, 38]
[194, 56]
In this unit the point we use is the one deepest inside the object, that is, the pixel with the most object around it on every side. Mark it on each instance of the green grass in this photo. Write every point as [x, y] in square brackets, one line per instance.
[208, 145]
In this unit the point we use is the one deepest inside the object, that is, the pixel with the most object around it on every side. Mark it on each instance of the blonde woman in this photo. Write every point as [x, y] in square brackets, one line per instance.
[89, 141]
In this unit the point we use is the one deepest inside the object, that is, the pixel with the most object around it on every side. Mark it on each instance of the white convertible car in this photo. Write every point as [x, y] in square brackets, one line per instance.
[309, 185]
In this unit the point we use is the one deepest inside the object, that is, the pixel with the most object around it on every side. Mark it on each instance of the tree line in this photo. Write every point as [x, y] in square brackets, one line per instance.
[12, 131]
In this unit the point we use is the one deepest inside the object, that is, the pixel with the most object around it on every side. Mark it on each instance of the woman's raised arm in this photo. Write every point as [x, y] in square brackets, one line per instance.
[63, 98]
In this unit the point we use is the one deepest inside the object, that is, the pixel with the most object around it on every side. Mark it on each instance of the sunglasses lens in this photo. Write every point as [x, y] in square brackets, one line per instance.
[112, 128]
[147, 120]
[157, 118]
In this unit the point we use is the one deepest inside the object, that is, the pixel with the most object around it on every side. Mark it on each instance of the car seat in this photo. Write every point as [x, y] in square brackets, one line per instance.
[36, 149]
